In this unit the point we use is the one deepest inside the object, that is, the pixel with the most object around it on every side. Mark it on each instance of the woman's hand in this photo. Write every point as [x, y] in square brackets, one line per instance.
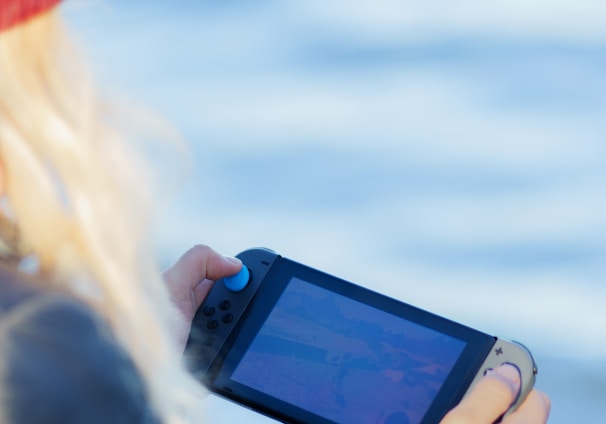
[493, 395]
[190, 279]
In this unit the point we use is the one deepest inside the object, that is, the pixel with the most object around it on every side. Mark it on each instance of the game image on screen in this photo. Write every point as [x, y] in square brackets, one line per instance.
[346, 361]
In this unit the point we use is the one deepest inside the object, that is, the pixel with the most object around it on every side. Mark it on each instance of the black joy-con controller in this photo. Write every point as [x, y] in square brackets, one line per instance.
[223, 308]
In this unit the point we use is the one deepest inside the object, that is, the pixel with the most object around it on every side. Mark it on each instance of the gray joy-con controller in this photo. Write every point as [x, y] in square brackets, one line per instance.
[517, 355]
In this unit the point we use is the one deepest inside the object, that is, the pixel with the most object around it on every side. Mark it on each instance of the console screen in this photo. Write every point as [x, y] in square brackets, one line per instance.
[346, 361]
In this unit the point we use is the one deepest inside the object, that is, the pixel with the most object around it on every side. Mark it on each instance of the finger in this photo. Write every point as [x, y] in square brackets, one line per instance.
[489, 399]
[200, 293]
[219, 266]
[200, 263]
[535, 409]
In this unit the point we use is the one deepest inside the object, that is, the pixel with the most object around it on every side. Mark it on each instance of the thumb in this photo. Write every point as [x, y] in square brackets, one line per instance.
[489, 399]
[197, 264]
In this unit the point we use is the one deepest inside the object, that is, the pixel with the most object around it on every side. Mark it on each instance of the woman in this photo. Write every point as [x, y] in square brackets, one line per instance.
[90, 330]
[92, 335]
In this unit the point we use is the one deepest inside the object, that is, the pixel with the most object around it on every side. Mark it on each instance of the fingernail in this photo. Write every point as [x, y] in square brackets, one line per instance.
[511, 373]
[233, 260]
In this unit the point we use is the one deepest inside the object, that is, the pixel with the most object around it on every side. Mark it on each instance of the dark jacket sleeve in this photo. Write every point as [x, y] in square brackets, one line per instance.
[61, 365]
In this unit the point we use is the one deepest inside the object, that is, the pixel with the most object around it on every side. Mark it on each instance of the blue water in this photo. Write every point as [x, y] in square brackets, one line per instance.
[452, 156]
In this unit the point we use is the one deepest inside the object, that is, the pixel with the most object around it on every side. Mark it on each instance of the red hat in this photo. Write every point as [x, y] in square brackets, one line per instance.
[13, 12]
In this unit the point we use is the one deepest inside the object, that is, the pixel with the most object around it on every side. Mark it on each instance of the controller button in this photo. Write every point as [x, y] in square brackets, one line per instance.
[224, 305]
[238, 282]
[209, 310]
[228, 317]
[212, 324]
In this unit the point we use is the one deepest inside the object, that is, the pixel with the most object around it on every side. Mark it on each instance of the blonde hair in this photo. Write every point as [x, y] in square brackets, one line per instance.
[80, 200]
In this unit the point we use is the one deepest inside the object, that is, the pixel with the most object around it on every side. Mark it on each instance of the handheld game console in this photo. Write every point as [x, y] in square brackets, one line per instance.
[302, 346]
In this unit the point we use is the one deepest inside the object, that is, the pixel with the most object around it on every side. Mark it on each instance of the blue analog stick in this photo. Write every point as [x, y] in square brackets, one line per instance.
[237, 282]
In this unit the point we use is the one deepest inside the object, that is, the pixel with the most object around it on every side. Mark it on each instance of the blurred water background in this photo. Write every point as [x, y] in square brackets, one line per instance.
[449, 154]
